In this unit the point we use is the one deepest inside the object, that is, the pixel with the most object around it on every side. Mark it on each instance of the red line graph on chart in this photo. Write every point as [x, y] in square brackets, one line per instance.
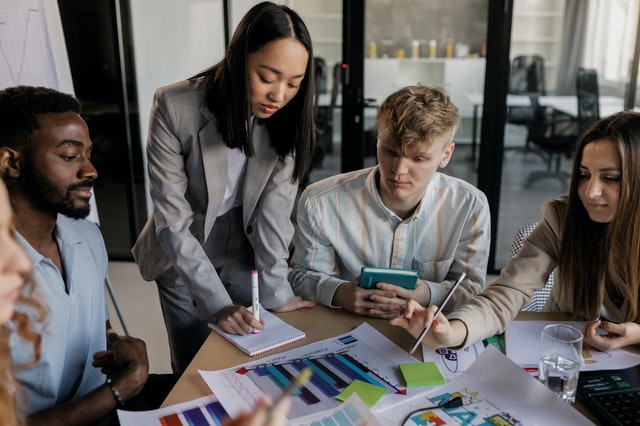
[17, 76]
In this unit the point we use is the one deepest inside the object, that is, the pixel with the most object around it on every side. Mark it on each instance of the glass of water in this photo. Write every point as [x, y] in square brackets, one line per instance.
[560, 360]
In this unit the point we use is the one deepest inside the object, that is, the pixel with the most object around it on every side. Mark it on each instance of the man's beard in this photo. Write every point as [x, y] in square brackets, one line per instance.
[46, 197]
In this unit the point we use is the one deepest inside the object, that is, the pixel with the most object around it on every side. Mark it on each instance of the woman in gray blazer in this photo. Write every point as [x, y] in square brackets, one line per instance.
[226, 150]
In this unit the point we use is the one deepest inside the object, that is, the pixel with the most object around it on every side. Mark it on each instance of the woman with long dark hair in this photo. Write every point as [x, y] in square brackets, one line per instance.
[226, 150]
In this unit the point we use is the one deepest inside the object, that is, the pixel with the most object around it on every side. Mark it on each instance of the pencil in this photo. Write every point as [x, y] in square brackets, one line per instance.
[296, 384]
[444, 302]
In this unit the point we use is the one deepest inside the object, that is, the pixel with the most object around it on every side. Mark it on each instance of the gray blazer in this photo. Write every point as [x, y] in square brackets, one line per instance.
[187, 163]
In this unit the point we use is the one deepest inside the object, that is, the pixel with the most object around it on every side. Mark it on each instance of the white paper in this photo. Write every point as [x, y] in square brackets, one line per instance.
[522, 343]
[453, 362]
[369, 348]
[353, 409]
[495, 391]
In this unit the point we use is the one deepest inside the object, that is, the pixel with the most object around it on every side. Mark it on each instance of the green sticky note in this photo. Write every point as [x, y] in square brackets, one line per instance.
[421, 374]
[368, 393]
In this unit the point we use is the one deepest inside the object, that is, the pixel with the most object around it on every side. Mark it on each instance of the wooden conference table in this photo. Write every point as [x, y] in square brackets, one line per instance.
[318, 323]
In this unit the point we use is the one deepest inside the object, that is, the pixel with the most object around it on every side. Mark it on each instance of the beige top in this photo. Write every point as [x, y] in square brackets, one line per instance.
[491, 311]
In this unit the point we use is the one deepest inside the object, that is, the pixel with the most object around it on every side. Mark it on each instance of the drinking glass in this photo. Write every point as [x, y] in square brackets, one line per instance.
[560, 360]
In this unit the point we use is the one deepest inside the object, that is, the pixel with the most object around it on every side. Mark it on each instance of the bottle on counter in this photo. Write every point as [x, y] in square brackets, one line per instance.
[448, 49]
[373, 49]
[433, 46]
[415, 49]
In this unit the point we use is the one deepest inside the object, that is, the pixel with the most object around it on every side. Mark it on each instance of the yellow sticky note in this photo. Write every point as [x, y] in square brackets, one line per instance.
[421, 374]
[368, 393]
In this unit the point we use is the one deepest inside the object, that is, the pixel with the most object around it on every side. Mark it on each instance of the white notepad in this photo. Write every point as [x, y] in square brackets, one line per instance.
[276, 334]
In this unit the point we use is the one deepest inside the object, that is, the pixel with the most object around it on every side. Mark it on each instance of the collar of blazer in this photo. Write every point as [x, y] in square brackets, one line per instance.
[214, 157]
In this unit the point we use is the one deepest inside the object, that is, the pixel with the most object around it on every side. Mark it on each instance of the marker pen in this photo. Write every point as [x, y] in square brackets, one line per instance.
[255, 297]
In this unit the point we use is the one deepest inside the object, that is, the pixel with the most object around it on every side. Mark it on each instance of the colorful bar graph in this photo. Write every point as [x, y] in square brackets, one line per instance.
[217, 412]
[348, 368]
[195, 417]
[210, 414]
[340, 384]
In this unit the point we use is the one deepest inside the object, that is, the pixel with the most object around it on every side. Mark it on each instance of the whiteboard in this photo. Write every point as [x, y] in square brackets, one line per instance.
[33, 51]
[32, 48]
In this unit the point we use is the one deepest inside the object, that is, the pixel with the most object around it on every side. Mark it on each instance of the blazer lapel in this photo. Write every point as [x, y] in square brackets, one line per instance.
[214, 163]
[259, 168]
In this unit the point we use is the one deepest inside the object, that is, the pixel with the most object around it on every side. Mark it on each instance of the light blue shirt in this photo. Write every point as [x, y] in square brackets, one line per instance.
[342, 225]
[76, 314]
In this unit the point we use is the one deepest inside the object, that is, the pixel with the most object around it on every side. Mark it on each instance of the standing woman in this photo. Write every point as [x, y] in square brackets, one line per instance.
[225, 153]
[592, 236]
[14, 269]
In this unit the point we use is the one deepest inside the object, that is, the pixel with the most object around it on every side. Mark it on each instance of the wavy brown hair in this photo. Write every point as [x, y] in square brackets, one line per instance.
[594, 253]
[29, 312]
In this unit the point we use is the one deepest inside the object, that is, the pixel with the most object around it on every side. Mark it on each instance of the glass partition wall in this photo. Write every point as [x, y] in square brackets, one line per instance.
[565, 35]
[444, 43]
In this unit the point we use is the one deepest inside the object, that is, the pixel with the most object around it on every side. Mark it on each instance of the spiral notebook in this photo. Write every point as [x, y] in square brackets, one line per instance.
[276, 334]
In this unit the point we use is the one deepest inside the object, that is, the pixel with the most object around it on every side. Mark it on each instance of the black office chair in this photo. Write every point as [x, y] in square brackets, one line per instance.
[323, 122]
[324, 114]
[588, 98]
[526, 78]
[553, 136]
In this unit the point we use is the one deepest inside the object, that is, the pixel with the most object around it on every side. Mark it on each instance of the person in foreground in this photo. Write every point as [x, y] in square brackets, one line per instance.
[14, 272]
[226, 149]
[45, 161]
[401, 213]
[592, 236]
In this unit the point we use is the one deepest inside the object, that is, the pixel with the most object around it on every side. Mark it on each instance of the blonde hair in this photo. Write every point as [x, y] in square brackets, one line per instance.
[416, 115]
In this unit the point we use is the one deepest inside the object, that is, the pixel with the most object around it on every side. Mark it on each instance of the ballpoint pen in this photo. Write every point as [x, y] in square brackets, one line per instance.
[444, 302]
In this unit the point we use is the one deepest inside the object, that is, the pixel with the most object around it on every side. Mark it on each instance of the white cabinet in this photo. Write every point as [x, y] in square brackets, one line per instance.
[537, 29]
[458, 76]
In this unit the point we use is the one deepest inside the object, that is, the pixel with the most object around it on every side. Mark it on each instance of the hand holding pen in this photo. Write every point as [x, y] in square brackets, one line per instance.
[237, 319]
[431, 325]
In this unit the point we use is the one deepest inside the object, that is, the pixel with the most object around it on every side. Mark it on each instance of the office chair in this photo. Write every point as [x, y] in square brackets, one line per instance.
[323, 122]
[539, 296]
[324, 114]
[526, 78]
[588, 98]
[554, 136]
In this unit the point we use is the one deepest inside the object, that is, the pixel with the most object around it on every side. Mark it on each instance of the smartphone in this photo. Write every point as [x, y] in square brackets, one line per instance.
[405, 278]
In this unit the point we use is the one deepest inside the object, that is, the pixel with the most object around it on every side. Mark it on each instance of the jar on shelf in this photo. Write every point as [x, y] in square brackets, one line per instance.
[448, 48]
[433, 48]
[415, 49]
[373, 49]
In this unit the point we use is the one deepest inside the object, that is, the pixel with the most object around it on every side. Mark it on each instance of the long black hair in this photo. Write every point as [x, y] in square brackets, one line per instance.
[291, 128]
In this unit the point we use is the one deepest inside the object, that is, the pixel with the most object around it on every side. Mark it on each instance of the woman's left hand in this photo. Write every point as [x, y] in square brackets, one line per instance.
[295, 303]
[615, 336]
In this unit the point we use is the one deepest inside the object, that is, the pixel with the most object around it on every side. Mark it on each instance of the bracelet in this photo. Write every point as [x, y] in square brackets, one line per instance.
[115, 392]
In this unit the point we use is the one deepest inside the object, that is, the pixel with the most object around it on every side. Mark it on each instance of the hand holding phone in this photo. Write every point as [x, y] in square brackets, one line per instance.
[405, 278]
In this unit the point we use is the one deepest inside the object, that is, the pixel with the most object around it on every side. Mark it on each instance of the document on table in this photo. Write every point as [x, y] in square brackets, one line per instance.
[362, 354]
[522, 341]
[494, 390]
[208, 411]
[202, 411]
[453, 362]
